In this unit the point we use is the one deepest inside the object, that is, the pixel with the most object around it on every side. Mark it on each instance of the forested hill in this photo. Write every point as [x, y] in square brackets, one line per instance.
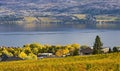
[43, 7]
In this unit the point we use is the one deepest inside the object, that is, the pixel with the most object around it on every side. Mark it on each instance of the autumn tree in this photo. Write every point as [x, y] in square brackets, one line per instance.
[75, 45]
[27, 50]
[35, 50]
[6, 52]
[11, 50]
[65, 51]
[97, 45]
[35, 46]
[22, 55]
[31, 56]
[59, 53]
[17, 51]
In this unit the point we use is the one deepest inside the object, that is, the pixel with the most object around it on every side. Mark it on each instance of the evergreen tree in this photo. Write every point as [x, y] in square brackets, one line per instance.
[97, 45]
[115, 49]
[110, 50]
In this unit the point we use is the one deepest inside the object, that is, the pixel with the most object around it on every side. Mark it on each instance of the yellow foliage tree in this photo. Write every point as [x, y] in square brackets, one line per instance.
[59, 53]
[36, 45]
[65, 51]
[35, 50]
[27, 50]
[32, 56]
[22, 55]
[5, 51]
[76, 46]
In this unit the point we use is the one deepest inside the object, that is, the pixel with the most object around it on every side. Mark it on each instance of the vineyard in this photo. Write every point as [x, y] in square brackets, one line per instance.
[102, 62]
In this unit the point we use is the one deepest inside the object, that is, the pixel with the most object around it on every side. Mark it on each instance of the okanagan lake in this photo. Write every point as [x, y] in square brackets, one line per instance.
[62, 35]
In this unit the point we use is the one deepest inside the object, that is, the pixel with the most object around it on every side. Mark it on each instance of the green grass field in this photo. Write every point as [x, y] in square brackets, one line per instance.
[102, 62]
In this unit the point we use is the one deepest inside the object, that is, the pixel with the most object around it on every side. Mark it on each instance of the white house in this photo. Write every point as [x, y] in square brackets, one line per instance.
[105, 49]
[44, 55]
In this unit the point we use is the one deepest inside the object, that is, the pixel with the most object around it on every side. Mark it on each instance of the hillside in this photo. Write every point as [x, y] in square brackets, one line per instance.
[87, 13]
[103, 62]
[43, 7]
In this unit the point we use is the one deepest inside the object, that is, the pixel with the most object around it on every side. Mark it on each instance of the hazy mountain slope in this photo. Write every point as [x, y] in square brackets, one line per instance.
[34, 7]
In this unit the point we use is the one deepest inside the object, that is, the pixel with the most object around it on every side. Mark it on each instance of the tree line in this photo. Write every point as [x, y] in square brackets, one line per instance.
[30, 51]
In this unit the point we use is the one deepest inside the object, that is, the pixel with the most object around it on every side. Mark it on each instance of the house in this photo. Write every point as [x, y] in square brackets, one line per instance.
[45, 55]
[9, 58]
[86, 51]
[119, 49]
[105, 49]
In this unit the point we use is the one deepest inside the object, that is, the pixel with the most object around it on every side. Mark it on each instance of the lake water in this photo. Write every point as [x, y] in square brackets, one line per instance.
[57, 35]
